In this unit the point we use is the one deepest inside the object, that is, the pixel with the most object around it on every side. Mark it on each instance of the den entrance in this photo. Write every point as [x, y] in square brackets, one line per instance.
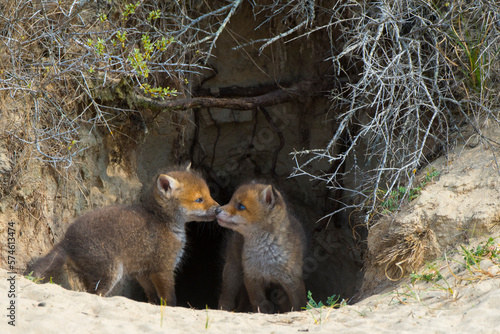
[231, 147]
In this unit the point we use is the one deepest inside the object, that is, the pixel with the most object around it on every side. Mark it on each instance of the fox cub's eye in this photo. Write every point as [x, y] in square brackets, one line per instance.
[241, 207]
[199, 200]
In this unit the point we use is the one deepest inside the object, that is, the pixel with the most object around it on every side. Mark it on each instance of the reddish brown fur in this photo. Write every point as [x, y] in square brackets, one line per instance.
[144, 240]
[267, 250]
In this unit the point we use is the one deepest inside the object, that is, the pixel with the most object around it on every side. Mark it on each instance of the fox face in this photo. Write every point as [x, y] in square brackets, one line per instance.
[251, 206]
[190, 193]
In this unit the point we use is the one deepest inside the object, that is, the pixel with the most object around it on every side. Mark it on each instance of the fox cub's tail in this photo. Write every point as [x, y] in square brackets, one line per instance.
[50, 265]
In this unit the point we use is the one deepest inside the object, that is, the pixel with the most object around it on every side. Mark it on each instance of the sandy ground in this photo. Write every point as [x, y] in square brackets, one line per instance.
[469, 306]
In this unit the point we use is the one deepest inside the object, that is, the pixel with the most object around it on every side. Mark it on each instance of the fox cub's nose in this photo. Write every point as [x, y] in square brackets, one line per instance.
[217, 210]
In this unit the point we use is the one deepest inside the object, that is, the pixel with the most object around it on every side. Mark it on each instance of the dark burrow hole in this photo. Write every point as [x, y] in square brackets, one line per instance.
[198, 280]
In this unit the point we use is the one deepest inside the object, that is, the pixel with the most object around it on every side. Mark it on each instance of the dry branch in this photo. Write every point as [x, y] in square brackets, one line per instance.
[237, 103]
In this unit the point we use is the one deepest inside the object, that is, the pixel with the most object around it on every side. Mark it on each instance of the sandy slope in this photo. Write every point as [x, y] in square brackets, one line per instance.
[48, 308]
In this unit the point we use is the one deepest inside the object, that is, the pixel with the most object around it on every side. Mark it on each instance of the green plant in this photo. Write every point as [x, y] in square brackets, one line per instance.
[34, 279]
[208, 320]
[130, 9]
[122, 37]
[156, 14]
[158, 92]
[331, 301]
[103, 17]
[469, 36]
[317, 319]
[100, 46]
[137, 61]
[163, 303]
[431, 175]
[410, 293]
[316, 309]
[393, 200]
[38, 280]
[430, 274]
[488, 250]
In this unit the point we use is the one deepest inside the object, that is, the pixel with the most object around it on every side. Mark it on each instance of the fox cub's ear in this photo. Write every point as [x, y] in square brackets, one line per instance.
[166, 184]
[269, 196]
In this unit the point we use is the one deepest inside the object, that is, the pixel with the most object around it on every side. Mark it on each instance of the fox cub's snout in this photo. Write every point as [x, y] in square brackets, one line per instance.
[251, 205]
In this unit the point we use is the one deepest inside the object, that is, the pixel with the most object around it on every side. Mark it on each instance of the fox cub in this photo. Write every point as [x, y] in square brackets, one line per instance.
[145, 240]
[266, 250]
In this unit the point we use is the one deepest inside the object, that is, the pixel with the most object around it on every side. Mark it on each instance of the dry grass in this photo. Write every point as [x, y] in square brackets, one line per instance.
[402, 251]
[453, 274]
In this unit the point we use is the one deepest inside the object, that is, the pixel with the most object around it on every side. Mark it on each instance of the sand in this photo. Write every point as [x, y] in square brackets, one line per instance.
[470, 306]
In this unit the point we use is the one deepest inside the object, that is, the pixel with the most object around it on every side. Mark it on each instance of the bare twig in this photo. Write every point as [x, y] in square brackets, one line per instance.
[403, 103]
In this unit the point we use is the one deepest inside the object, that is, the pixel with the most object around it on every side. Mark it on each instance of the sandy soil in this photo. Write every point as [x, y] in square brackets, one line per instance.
[450, 305]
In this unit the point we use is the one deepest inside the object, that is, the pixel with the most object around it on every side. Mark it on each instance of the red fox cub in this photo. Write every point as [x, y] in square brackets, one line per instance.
[145, 240]
[266, 250]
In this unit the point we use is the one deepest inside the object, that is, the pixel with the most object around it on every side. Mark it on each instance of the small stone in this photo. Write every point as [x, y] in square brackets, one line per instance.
[494, 270]
[486, 264]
